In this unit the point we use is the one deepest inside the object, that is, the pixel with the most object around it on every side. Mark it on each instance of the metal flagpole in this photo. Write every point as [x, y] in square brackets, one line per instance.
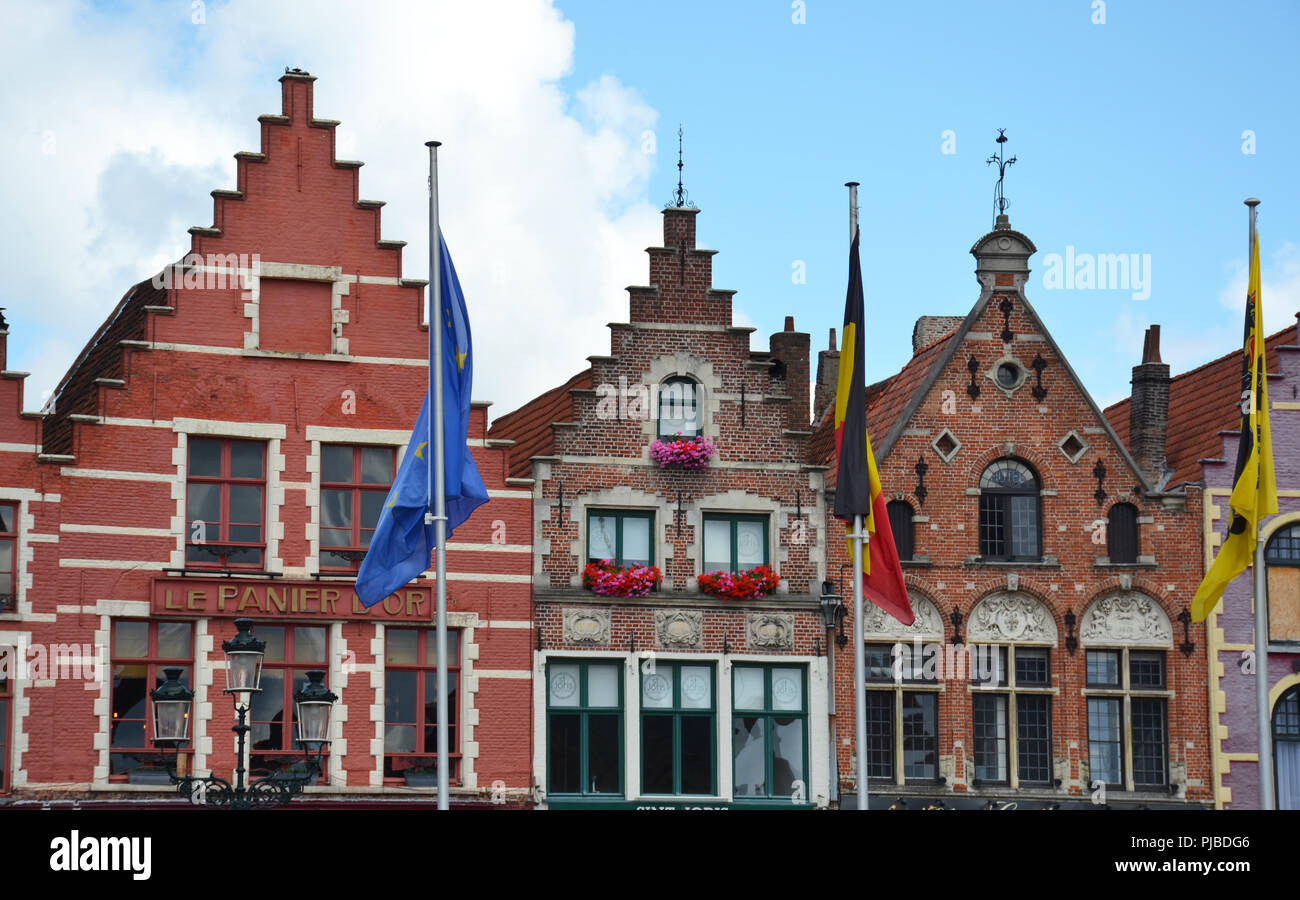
[438, 515]
[1263, 723]
[859, 536]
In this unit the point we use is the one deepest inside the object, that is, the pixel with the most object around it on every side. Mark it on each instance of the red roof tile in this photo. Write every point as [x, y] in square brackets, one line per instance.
[529, 426]
[1202, 403]
[886, 401]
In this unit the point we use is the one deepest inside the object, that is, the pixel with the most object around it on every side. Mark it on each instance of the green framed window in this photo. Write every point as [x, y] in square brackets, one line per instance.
[733, 542]
[678, 730]
[584, 721]
[679, 408]
[624, 535]
[769, 730]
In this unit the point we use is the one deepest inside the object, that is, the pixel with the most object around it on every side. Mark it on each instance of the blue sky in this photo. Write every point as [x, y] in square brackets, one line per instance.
[1128, 134]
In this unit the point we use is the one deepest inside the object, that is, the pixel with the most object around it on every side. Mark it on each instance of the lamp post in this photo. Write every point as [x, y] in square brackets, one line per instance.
[833, 614]
[173, 703]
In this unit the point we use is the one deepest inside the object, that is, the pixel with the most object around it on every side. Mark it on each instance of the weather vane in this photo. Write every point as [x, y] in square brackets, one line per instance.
[681, 197]
[1000, 201]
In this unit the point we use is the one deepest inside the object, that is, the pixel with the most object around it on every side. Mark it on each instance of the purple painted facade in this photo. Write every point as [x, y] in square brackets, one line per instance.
[1234, 708]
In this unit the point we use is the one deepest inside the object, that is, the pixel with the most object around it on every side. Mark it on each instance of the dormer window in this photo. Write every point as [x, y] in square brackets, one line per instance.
[679, 408]
[1009, 514]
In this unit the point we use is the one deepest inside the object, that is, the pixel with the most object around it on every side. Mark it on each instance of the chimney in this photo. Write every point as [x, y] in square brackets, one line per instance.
[929, 329]
[790, 362]
[828, 376]
[1149, 410]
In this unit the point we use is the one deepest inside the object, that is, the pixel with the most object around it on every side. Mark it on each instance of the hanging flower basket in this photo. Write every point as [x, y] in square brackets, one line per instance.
[612, 580]
[685, 453]
[747, 585]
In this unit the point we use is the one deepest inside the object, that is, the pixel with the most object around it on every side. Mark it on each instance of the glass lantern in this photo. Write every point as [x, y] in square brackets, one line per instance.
[244, 655]
[172, 701]
[315, 703]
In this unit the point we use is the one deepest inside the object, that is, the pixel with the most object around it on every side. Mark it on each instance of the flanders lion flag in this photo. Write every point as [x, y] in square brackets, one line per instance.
[1254, 492]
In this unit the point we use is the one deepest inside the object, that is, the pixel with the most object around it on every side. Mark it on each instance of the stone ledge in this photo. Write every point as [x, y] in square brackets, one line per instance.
[691, 599]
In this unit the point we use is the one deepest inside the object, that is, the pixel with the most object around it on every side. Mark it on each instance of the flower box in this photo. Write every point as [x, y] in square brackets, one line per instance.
[747, 585]
[684, 453]
[607, 578]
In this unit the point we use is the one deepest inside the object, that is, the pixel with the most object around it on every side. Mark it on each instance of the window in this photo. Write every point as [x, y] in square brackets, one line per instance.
[678, 730]
[1282, 563]
[584, 713]
[734, 543]
[1009, 520]
[411, 700]
[8, 557]
[291, 651]
[1286, 749]
[901, 723]
[1122, 533]
[1128, 683]
[354, 483]
[769, 730]
[1012, 726]
[225, 503]
[900, 523]
[5, 664]
[625, 536]
[679, 408]
[140, 650]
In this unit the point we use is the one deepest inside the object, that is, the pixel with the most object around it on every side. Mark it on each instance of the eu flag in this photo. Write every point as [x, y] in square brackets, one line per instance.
[402, 544]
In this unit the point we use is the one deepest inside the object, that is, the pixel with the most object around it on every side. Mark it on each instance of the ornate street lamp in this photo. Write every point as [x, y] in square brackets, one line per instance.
[173, 702]
[833, 612]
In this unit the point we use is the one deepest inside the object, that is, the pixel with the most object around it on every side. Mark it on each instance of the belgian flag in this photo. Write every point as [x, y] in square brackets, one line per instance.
[1254, 492]
[857, 490]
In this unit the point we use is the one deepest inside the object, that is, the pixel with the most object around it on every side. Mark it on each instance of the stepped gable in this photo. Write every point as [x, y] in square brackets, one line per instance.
[1203, 403]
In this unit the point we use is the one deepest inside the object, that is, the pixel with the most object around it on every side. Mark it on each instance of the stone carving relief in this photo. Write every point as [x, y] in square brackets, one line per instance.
[680, 628]
[1011, 617]
[876, 623]
[1126, 617]
[769, 631]
[586, 626]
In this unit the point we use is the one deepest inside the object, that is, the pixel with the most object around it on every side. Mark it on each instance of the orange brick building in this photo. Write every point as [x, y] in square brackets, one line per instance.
[1048, 564]
[222, 447]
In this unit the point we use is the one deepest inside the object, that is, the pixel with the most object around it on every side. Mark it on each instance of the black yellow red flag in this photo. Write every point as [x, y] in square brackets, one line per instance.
[1254, 490]
[857, 489]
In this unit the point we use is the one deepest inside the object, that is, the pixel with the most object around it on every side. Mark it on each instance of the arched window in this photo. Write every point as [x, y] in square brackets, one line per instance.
[1286, 748]
[900, 523]
[1282, 562]
[1009, 515]
[679, 408]
[1122, 533]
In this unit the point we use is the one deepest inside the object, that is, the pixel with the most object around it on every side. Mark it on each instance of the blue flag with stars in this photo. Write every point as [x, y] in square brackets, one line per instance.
[402, 545]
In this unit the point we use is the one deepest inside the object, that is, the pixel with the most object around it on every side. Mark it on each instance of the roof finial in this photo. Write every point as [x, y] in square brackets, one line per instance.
[999, 201]
[681, 196]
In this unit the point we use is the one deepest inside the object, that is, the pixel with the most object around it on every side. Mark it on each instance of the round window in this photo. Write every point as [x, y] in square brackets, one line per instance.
[1008, 375]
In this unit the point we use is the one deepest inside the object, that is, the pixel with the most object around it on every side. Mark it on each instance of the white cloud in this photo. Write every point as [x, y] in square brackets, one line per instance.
[127, 121]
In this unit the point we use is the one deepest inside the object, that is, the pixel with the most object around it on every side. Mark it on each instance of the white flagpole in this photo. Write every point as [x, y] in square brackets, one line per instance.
[859, 537]
[1263, 721]
[438, 514]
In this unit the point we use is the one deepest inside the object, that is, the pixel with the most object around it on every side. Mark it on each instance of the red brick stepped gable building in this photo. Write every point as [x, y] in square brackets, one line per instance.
[679, 697]
[222, 447]
[1032, 536]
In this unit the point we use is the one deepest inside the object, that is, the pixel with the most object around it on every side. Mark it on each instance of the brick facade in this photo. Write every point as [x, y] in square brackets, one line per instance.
[949, 396]
[754, 406]
[292, 327]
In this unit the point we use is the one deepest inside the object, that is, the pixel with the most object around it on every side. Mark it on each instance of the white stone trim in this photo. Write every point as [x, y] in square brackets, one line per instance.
[74, 528]
[419, 362]
[136, 423]
[115, 474]
[507, 494]
[819, 737]
[6, 447]
[24, 552]
[339, 283]
[696, 368]
[21, 706]
[144, 564]
[329, 435]
[505, 673]
[490, 548]
[263, 431]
